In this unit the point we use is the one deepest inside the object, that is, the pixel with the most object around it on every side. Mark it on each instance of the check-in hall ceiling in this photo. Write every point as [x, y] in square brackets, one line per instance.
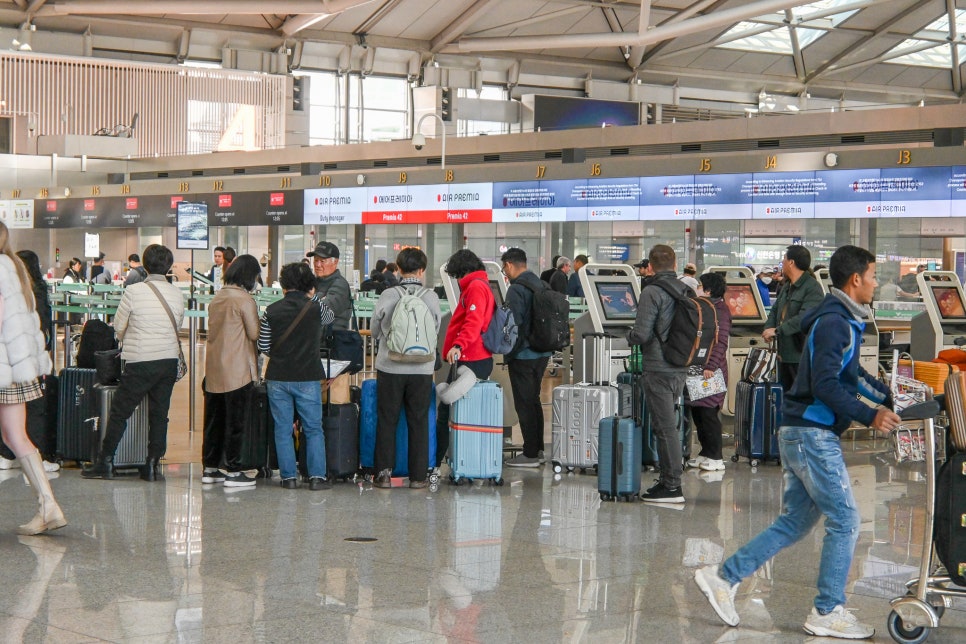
[874, 51]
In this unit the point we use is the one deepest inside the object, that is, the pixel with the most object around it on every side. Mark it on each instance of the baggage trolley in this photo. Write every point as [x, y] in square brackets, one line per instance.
[928, 596]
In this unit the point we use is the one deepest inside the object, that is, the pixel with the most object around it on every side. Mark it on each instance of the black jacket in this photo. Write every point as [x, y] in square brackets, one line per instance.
[520, 300]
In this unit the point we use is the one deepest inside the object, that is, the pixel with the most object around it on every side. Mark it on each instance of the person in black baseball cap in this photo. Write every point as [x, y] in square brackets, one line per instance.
[330, 285]
[644, 270]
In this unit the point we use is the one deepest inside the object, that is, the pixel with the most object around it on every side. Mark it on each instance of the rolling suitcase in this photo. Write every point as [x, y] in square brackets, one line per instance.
[476, 434]
[950, 533]
[649, 453]
[368, 420]
[76, 433]
[577, 411]
[258, 440]
[758, 409]
[133, 448]
[955, 388]
[340, 424]
[619, 470]
[625, 394]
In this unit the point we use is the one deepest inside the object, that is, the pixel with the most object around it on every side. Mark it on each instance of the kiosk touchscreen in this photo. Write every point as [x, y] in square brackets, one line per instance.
[611, 309]
[747, 323]
[944, 320]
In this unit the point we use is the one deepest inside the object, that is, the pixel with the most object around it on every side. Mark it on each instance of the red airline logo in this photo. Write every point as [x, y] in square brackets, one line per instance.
[88, 204]
[276, 199]
[131, 203]
[224, 201]
[175, 201]
[51, 206]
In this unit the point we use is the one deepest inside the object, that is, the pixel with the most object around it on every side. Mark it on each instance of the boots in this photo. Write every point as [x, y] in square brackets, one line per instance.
[102, 468]
[151, 470]
[50, 516]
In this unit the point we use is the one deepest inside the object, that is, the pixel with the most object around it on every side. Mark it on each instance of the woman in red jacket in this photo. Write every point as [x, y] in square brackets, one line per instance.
[463, 344]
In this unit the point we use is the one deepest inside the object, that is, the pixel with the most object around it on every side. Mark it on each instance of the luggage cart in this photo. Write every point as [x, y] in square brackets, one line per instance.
[928, 596]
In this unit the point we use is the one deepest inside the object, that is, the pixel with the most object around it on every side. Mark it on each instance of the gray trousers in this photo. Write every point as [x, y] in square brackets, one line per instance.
[661, 390]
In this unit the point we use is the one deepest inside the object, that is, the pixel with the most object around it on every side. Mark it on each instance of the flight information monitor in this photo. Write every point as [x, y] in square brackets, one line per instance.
[617, 299]
[743, 302]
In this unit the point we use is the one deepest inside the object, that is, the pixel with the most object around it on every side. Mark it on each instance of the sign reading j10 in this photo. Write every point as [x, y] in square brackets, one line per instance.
[889, 192]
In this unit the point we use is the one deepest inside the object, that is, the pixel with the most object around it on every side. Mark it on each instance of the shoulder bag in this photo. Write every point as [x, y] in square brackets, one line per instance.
[182, 365]
[345, 344]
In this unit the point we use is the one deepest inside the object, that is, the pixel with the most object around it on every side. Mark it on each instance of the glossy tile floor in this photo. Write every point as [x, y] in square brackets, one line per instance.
[537, 560]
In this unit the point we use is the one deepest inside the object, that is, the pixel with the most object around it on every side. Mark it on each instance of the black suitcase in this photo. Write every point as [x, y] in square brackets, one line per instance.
[950, 533]
[132, 451]
[76, 433]
[258, 440]
[340, 423]
[758, 409]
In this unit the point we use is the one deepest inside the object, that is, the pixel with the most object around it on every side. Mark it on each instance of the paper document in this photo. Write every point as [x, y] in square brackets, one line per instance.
[333, 368]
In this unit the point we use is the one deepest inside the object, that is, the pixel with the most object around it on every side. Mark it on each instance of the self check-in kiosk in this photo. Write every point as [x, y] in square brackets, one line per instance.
[499, 286]
[869, 351]
[944, 320]
[747, 323]
[611, 309]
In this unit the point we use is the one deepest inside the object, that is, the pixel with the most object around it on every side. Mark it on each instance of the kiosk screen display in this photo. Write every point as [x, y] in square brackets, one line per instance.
[742, 302]
[949, 302]
[617, 301]
[497, 292]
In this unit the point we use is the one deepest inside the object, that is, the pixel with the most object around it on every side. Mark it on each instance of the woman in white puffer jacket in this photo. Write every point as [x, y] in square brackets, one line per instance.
[23, 359]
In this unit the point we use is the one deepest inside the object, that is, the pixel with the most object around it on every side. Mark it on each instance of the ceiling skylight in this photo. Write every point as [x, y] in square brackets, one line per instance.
[755, 35]
[938, 56]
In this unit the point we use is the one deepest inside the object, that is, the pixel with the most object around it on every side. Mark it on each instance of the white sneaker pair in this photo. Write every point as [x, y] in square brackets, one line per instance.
[707, 464]
[9, 464]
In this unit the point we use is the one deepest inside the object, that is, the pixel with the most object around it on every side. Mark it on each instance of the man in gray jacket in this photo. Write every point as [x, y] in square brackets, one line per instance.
[330, 286]
[663, 383]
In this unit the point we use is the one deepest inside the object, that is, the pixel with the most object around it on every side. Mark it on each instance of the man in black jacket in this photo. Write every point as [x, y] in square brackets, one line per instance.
[526, 366]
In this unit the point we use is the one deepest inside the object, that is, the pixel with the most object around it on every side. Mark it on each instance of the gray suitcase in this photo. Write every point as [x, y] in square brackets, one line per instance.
[133, 450]
[576, 414]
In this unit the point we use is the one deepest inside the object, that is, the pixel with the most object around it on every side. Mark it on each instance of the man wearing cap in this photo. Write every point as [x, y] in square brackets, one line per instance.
[644, 270]
[332, 289]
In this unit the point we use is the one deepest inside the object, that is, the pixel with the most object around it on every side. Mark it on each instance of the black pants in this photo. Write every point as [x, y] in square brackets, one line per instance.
[226, 417]
[482, 369]
[398, 392]
[526, 377]
[708, 425]
[154, 379]
[787, 371]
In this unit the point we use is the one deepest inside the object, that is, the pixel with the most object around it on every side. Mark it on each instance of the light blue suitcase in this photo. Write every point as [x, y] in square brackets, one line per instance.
[476, 434]
[619, 470]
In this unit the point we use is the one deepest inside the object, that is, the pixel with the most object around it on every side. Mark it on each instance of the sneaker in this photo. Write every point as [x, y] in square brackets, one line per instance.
[50, 466]
[383, 480]
[289, 484]
[657, 485]
[839, 623]
[696, 461]
[523, 461]
[317, 483]
[9, 464]
[541, 457]
[711, 465]
[418, 485]
[212, 475]
[238, 479]
[720, 594]
[661, 494]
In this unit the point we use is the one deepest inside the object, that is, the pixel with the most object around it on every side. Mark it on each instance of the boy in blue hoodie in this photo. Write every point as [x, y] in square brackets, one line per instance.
[820, 405]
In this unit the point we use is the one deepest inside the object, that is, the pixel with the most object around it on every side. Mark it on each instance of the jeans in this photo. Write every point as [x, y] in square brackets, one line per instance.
[226, 415]
[661, 391]
[304, 398]
[154, 379]
[816, 483]
[526, 377]
[397, 393]
[482, 369]
[708, 425]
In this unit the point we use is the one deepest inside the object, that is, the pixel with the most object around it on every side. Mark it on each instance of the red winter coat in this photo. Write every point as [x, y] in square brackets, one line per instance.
[471, 316]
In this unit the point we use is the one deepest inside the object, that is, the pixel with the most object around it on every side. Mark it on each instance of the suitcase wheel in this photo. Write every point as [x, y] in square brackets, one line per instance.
[498, 481]
[734, 458]
[434, 478]
[604, 496]
[557, 467]
[455, 480]
[754, 462]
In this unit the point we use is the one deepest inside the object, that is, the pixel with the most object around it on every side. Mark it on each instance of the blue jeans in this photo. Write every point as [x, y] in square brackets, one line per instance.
[816, 483]
[305, 398]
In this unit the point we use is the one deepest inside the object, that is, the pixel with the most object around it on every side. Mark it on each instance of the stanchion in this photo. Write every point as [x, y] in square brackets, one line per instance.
[192, 348]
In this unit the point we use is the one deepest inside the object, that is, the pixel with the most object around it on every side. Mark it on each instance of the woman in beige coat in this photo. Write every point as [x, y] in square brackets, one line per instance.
[230, 373]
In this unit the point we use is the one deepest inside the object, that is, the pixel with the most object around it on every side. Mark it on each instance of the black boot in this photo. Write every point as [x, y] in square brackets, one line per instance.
[151, 470]
[101, 468]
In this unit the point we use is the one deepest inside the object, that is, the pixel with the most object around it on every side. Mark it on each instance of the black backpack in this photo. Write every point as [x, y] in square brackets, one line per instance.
[694, 328]
[549, 319]
[96, 336]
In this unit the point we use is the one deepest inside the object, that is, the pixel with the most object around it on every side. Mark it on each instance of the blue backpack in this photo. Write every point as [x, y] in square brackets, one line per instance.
[501, 335]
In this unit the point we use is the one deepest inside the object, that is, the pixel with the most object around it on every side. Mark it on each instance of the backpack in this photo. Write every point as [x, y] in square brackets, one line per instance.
[693, 331]
[549, 320]
[412, 329]
[96, 336]
[503, 332]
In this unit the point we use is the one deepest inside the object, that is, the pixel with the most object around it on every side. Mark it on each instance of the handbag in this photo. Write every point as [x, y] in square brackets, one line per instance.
[700, 387]
[760, 365]
[345, 345]
[182, 365]
[108, 366]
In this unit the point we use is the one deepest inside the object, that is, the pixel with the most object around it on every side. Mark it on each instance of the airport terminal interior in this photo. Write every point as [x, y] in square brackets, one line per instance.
[725, 129]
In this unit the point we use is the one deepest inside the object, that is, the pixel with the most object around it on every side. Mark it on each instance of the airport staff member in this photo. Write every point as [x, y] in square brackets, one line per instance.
[800, 293]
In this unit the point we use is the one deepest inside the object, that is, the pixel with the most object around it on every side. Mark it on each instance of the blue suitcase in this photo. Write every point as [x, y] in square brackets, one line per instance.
[683, 420]
[758, 410]
[619, 469]
[368, 419]
[476, 434]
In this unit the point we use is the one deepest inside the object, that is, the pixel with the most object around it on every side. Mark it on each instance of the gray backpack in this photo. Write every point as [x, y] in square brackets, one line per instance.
[412, 329]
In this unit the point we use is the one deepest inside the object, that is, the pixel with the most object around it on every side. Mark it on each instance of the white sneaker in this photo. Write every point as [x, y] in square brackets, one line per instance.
[711, 465]
[696, 461]
[720, 595]
[9, 464]
[50, 466]
[839, 623]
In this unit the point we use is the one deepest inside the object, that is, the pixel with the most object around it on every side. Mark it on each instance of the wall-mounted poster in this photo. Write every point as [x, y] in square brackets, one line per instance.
[192, 225]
